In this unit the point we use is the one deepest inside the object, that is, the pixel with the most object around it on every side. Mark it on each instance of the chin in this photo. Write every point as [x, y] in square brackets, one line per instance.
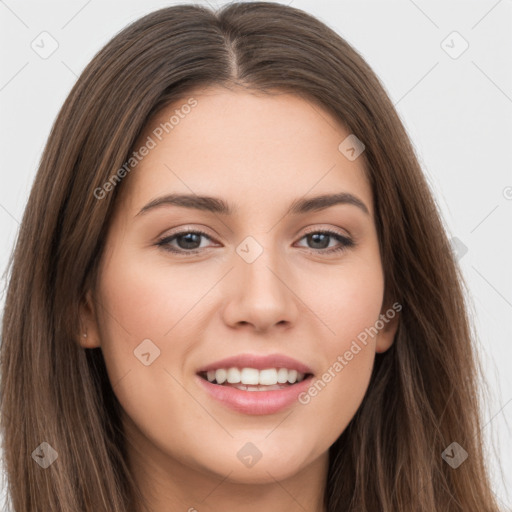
[273, 464]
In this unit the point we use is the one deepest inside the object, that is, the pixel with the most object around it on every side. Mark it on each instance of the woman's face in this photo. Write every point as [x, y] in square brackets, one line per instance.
[265, 284]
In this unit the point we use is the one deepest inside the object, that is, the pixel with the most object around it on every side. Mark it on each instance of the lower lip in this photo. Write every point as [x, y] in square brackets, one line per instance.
[256, 402]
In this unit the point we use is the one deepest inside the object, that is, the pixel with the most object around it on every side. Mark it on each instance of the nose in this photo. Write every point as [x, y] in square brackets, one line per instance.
[260, 294]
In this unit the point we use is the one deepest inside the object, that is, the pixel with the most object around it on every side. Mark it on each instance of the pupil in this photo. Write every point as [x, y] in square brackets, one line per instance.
[189, 239]
[315, 238]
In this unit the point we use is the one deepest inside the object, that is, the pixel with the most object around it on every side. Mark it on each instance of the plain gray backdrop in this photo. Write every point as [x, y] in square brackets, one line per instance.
[447, 66]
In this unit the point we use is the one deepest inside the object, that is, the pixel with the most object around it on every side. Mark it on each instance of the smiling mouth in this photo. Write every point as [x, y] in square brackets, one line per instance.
[251, 379]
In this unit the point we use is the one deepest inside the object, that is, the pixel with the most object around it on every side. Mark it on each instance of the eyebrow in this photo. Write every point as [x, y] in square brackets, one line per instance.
[217, 205]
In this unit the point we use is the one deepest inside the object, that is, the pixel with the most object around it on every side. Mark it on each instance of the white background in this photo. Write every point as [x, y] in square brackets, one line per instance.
[458, 112]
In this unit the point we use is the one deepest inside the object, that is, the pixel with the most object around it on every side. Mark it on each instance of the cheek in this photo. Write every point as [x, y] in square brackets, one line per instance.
[144, 299]
[137, 307]
[350, 304]
[347, 299]
[336, 392]
[142, 311]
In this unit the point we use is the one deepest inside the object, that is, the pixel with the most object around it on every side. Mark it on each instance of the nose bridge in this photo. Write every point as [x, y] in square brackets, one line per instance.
[258, 265]
[260, 295]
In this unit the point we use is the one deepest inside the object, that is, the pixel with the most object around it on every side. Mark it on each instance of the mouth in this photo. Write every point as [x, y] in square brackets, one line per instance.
[254, 391]
[253, 379]
[255, 384]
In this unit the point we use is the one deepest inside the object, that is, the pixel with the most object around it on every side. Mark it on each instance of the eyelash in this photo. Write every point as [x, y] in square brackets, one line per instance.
[346, 242]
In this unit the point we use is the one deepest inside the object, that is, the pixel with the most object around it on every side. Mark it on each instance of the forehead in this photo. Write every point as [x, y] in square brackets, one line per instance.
[247, 147]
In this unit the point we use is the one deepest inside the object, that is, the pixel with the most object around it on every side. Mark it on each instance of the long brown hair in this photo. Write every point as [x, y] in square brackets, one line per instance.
[423, 392]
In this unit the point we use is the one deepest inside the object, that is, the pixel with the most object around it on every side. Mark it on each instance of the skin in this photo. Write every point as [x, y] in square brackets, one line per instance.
[260, 153]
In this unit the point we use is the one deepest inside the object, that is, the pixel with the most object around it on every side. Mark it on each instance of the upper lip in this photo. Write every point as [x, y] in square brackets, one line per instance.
[258, 362]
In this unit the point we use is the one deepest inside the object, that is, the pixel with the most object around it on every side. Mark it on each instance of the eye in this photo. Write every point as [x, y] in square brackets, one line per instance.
[321, 239]
[189, 242]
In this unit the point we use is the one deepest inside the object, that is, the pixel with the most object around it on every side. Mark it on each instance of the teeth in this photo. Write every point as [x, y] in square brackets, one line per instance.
[233, 375]
[249, 376]
[220, 376]
[252, 377]
[258, 388]
[282, 375]
[268, 377]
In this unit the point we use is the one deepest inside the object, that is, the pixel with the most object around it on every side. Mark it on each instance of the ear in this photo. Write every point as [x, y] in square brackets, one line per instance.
[390, 318]
[89, 332]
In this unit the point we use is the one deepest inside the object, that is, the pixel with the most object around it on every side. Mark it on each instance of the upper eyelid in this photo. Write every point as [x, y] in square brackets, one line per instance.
[174, 234]
[202, 231]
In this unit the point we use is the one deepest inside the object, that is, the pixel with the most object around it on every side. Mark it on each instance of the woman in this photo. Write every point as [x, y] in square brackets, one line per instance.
[232, 289]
